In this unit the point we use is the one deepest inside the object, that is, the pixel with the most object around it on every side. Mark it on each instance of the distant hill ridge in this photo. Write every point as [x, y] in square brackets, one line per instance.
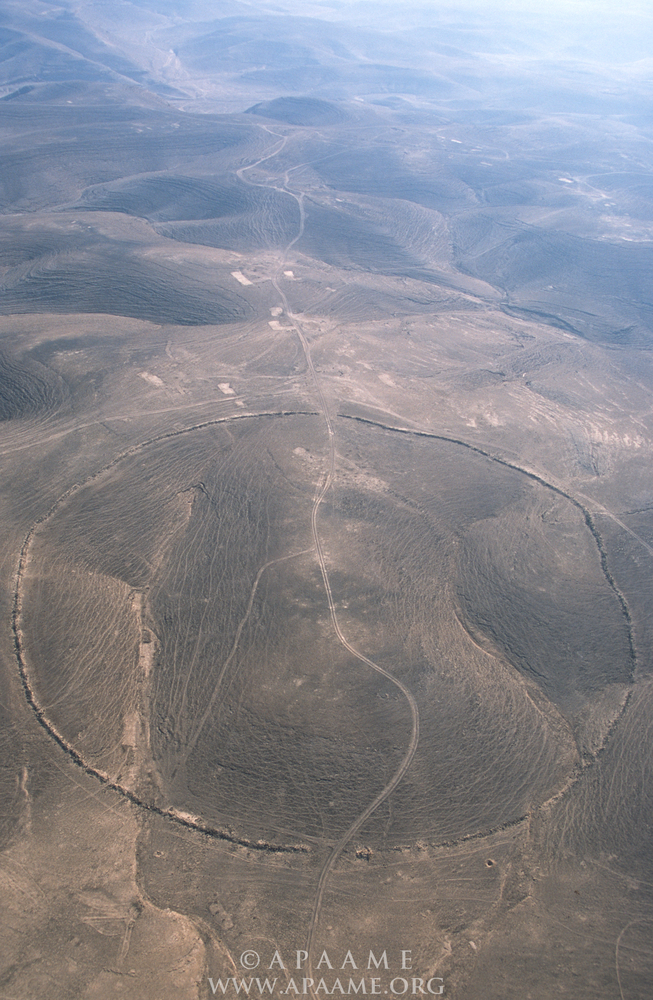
[300, 111]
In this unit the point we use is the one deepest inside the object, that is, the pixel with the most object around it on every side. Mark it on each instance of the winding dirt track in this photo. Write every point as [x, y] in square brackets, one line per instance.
[171, 814]
[340, 845]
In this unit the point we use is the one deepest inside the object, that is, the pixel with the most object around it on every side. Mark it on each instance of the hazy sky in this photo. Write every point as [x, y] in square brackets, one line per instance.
[592, 30]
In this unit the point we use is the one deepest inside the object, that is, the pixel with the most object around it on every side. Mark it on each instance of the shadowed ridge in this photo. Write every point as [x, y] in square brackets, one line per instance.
[300, 111]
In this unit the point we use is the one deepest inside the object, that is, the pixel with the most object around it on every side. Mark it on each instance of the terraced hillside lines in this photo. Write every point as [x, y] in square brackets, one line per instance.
[355, 584]
[101, 543]
[28, 390]
[192, 742]
[105, 279]
[555, 488]
[42, 711]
